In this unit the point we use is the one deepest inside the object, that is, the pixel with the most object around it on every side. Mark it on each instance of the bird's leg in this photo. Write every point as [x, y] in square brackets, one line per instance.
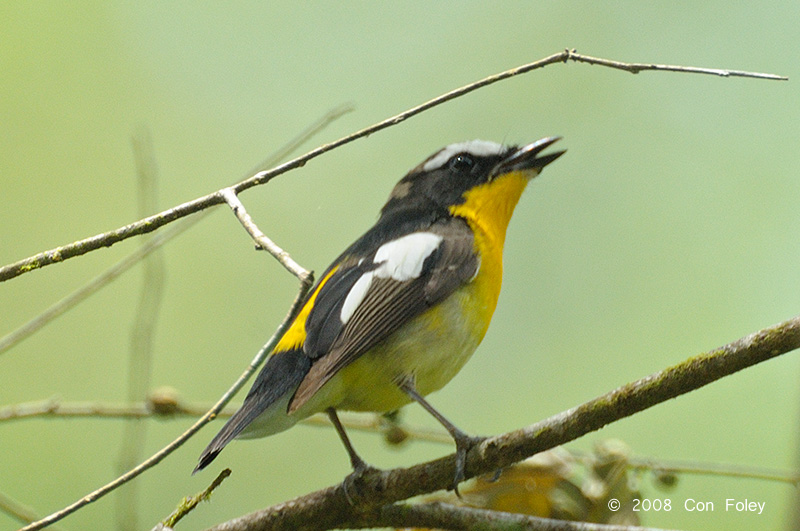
[360, 467]
[463, 441]
[355, 459]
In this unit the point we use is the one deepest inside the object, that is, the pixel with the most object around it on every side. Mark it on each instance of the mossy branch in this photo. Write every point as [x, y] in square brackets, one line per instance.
[329, 508]
[188, 504]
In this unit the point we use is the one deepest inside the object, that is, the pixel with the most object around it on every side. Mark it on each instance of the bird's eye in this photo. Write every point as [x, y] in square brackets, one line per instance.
[461, 163]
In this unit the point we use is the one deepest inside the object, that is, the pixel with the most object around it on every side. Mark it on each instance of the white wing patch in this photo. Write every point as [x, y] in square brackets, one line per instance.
[479, 148]
[399, 259]
[355, 296]
[402, 259]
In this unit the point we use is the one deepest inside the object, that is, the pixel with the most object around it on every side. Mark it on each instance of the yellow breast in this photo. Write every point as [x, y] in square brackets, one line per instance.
[488, 209]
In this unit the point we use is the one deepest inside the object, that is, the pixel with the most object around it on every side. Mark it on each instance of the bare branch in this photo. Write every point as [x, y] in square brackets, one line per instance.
[305, 135]
[55, 408]
[717, 469]
[18, 511]
[156, 221]
[185, 436]
[107, 239]
[163, 403]
[329, 508]
[94, 285]
[261, 239]
[635, 68]
[306, 280]
[170, 408]
[105, 278]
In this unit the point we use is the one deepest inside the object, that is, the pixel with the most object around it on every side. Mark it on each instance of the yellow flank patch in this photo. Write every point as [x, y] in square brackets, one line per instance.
[296, 334]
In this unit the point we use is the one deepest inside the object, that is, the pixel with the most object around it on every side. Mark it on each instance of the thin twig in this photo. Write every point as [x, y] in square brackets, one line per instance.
[174, 409]
[635, 68]
[105, 278]
[716, 469]
[306, 279]
[156, 221]
[94, 285]
[261, 239]
[329, 508]
[326, 506]
[188, 504]
[53, 407]
[18, 511]
[357, 422]
[305, 135]
[178, 442]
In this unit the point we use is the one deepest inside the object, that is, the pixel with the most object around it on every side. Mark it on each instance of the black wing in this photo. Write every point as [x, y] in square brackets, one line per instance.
[383, 307]
[368, 299]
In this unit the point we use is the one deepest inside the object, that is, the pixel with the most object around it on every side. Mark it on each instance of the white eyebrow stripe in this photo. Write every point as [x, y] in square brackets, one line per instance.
[480, 148]
[401, 260]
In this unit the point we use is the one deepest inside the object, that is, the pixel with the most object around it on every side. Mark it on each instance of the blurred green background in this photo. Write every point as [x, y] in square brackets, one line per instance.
[669, 228]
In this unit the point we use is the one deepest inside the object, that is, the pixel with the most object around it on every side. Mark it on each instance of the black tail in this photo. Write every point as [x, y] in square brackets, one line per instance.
[281, 375]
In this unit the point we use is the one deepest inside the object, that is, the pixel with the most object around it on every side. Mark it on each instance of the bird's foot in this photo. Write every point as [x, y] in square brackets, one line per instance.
[464, 443]
[353, 484]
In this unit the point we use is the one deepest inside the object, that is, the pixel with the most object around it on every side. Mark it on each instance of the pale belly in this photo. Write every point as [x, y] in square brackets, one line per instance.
[449, 332]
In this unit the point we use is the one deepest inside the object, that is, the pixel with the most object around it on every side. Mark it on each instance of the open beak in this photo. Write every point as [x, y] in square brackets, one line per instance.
[527, 157]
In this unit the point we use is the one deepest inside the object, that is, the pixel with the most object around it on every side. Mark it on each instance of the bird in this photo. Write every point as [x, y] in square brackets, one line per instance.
[404, 307]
